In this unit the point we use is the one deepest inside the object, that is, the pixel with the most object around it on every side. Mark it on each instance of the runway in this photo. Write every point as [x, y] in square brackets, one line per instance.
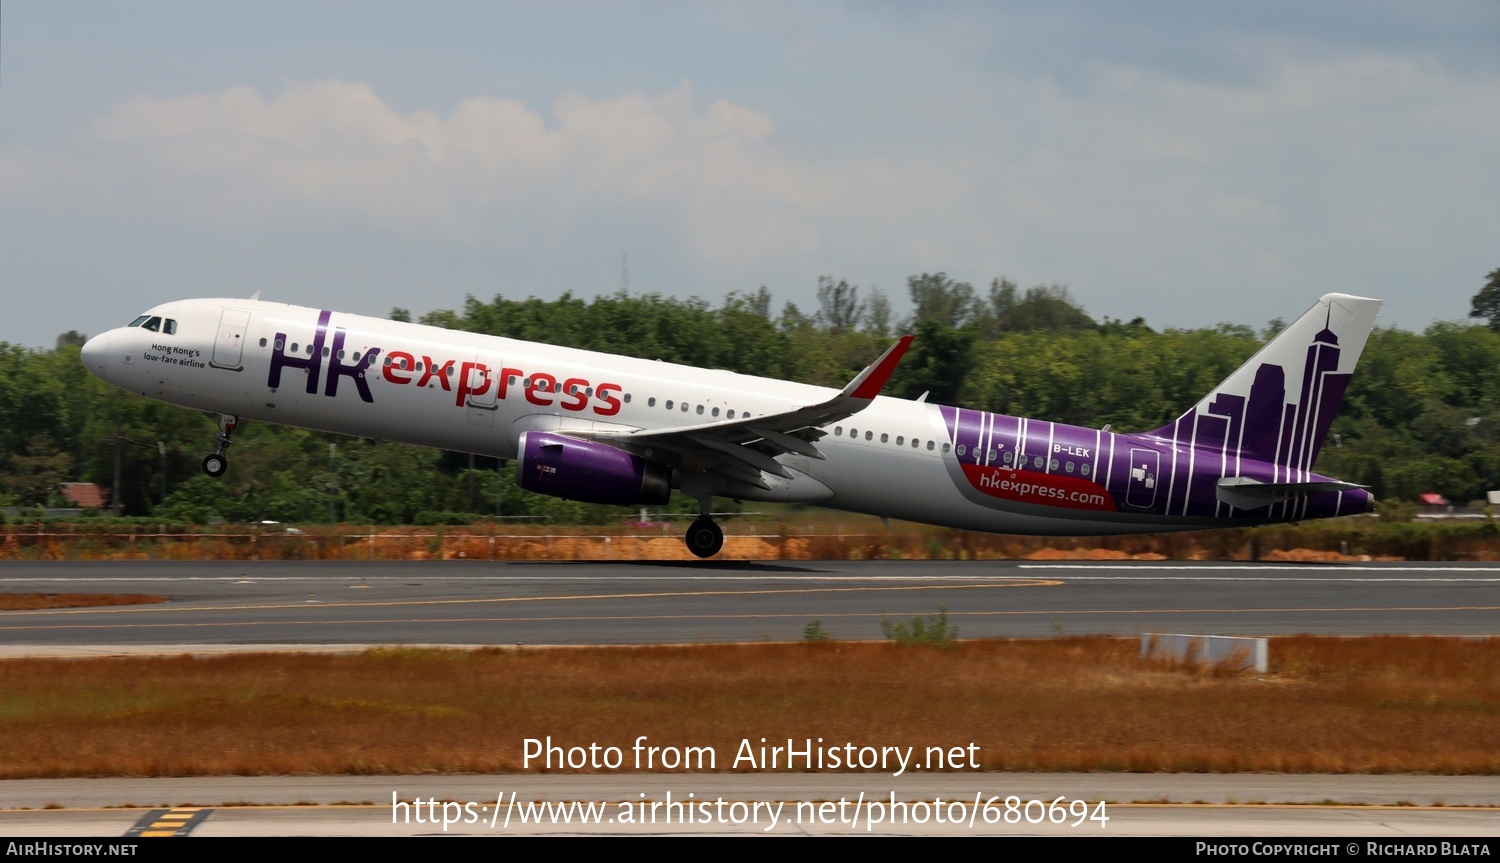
[475, 603]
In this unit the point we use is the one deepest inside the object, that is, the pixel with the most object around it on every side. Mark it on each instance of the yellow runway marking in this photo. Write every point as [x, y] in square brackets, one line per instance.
[178, 821]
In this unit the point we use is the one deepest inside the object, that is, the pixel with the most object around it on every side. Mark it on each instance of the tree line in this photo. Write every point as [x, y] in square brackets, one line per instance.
[1422, 413]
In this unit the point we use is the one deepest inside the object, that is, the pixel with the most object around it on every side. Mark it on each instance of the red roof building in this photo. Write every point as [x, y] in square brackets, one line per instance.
[85, 494]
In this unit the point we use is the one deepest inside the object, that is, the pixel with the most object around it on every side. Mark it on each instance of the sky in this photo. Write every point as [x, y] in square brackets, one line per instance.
[1186, 162]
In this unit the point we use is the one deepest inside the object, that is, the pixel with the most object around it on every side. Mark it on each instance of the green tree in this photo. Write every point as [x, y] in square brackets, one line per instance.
[1486, 303]
[839, 306]
[937, 298]
[1044, 307]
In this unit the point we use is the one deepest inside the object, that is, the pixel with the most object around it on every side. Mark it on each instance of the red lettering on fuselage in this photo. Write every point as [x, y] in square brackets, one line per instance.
[474, 379]
[542, 382]
[506, 376]
[401, 363]
[604, 395]
[574, 388]
[432, 370]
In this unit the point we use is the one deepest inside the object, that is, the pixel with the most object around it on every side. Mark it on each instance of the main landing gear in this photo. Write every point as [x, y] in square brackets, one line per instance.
[216, 464]
[704, 537]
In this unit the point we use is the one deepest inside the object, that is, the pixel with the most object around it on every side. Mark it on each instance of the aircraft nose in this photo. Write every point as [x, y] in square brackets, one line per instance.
[95, 354]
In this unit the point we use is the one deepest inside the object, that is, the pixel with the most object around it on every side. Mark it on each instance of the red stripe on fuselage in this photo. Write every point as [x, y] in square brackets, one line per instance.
[1024, 486]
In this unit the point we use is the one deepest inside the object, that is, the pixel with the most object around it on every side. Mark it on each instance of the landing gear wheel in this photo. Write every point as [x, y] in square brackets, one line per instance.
[705, 538]
[215, 465]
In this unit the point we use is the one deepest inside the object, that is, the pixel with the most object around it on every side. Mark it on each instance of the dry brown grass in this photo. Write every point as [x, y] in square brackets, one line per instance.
[1329, 705]
[33, 601]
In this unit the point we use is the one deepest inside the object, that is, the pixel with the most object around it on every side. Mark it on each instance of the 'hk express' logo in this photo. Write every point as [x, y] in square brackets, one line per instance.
[313, 363]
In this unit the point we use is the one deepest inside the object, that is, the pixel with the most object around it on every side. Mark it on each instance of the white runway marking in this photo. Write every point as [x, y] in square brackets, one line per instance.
[1413, 579]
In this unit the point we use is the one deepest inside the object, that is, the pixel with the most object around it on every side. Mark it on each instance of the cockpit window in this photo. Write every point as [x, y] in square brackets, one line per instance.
[153, 325]
[140, 320]
[169, 327]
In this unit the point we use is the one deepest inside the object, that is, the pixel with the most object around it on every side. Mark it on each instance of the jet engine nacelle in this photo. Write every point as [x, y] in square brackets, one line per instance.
[576, 469]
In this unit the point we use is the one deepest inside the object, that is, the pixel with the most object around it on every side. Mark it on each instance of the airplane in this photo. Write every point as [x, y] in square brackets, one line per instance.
[601, 428]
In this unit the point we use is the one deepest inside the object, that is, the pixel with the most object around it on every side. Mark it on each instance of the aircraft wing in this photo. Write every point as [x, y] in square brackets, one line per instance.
[744, 447]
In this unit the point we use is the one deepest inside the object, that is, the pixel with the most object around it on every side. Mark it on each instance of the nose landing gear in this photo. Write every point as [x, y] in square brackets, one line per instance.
[215, 465]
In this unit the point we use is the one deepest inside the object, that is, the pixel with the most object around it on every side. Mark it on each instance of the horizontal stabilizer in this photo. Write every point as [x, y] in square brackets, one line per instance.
[1243, 492]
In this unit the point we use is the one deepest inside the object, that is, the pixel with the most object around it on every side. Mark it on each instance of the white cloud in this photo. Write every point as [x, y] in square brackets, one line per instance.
[1150, 190]
[492, 171]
